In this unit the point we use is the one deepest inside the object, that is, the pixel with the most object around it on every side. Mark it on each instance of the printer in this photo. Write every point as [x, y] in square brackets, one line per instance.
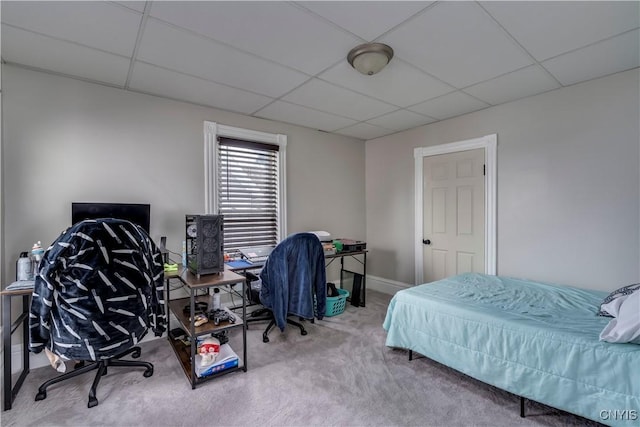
[324, 236]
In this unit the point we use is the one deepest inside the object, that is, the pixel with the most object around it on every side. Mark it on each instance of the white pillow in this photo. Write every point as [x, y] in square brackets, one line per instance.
[625, 327]
[615, 299]
[612, 308]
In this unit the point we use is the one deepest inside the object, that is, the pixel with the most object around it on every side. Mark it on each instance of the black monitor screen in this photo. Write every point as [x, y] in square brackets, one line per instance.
[134, 212]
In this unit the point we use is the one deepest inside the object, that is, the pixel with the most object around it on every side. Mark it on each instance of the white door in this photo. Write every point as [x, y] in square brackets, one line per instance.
[453, 212]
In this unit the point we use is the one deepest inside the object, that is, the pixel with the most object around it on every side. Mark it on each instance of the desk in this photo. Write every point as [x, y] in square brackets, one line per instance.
[353, 254]
[242, 267]
[8, 329]
[328, 260]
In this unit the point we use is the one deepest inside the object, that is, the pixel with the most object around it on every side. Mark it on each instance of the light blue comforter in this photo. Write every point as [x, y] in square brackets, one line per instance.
[539, 341]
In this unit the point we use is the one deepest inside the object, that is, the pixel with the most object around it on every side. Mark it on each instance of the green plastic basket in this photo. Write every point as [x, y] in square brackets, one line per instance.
[336, 305]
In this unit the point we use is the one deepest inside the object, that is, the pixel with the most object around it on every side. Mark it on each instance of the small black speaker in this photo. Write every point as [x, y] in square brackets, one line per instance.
[204, 240]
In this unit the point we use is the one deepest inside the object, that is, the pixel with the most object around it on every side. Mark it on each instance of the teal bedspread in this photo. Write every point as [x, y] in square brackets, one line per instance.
[536, 340]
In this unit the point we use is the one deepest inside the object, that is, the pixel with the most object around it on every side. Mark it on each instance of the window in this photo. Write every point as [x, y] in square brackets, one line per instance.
[245, 183]
[248, 193]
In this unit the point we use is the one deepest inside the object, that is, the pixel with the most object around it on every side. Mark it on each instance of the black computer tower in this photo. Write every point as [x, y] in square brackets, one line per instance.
[204, 244]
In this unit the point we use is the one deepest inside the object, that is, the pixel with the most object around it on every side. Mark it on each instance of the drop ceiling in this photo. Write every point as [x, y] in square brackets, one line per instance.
[286, 61]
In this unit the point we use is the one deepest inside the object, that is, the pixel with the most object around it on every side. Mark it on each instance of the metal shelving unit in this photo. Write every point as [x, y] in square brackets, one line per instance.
[193, 284]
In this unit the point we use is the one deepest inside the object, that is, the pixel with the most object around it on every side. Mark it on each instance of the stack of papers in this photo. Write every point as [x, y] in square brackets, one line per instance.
[21, 284]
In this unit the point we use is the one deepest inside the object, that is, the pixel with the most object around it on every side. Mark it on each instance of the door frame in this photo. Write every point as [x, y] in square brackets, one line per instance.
[489, 144]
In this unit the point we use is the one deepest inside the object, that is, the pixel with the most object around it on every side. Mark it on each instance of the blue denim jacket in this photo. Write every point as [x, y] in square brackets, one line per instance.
[292, 276]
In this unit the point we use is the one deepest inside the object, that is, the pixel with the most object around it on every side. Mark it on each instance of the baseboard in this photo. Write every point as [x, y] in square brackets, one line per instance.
[379, 284]
[386, 286]
[35, 360]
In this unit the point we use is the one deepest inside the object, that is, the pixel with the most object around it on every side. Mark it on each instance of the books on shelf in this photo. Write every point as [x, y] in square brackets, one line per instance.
[226, 359]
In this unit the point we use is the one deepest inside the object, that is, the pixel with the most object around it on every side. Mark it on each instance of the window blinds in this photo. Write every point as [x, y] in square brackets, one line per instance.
[248, 193]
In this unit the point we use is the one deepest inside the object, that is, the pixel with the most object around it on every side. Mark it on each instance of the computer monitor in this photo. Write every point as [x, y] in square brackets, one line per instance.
[138, 213]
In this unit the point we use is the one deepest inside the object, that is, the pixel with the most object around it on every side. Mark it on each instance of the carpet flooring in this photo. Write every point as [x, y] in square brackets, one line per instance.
[340, 374]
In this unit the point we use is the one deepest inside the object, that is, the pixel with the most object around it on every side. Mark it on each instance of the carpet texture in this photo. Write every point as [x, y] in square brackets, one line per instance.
[340, 374]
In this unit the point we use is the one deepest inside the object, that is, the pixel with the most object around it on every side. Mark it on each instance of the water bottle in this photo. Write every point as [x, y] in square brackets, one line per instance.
[36, 254]
[215, 299]
[23, 267]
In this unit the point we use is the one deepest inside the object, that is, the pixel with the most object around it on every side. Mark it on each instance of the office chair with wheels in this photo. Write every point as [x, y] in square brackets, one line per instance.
[264, 314]
[293, 283]
[99, 290]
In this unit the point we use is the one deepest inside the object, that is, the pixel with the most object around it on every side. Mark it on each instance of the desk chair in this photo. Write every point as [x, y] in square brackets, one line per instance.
[293, 283]
[264, 314]
[99, 290]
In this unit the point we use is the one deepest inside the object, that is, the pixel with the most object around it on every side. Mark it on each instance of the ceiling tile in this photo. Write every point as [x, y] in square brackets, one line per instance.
[102, 25]
[303, 116]
[451, 105]
[286, 61]
[365, 131]
[549, 28]
[135, 5]
[366, 19]
[182, 51]
[332, 99]
[607, 57]
[27, 48]
[158, 81]
[518, 84]
[401, 120]
[458, 43]
[282, 32]
[398, 83]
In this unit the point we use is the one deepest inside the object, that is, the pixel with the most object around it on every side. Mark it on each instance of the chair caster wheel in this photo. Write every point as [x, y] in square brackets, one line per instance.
[92, 402]
[135, 354]
[148, 373]
[41, 395]
[303, 333]
[265, 339]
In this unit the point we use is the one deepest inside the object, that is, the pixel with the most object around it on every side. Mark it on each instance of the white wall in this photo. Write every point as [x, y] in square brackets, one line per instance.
[568, 185]
[568, 173]
[66, 140]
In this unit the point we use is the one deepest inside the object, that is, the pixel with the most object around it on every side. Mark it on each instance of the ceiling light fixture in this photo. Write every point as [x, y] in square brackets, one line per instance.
[369, 58]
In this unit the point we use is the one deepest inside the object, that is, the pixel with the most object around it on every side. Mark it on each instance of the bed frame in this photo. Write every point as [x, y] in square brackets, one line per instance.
[522, 399]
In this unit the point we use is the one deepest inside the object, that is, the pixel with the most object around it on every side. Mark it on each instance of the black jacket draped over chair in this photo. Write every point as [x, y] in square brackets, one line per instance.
[99, 289]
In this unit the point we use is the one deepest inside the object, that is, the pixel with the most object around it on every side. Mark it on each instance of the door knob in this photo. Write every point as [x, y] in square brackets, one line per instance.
[426, 241]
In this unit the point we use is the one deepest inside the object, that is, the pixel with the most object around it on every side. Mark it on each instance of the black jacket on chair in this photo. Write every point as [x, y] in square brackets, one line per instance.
[99, 289]
[294, 279]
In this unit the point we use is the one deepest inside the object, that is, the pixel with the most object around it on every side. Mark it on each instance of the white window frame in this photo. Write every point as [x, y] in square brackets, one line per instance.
[214, 130]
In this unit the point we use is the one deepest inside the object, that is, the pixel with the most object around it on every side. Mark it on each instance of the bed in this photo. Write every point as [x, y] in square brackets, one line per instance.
[538, 341]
